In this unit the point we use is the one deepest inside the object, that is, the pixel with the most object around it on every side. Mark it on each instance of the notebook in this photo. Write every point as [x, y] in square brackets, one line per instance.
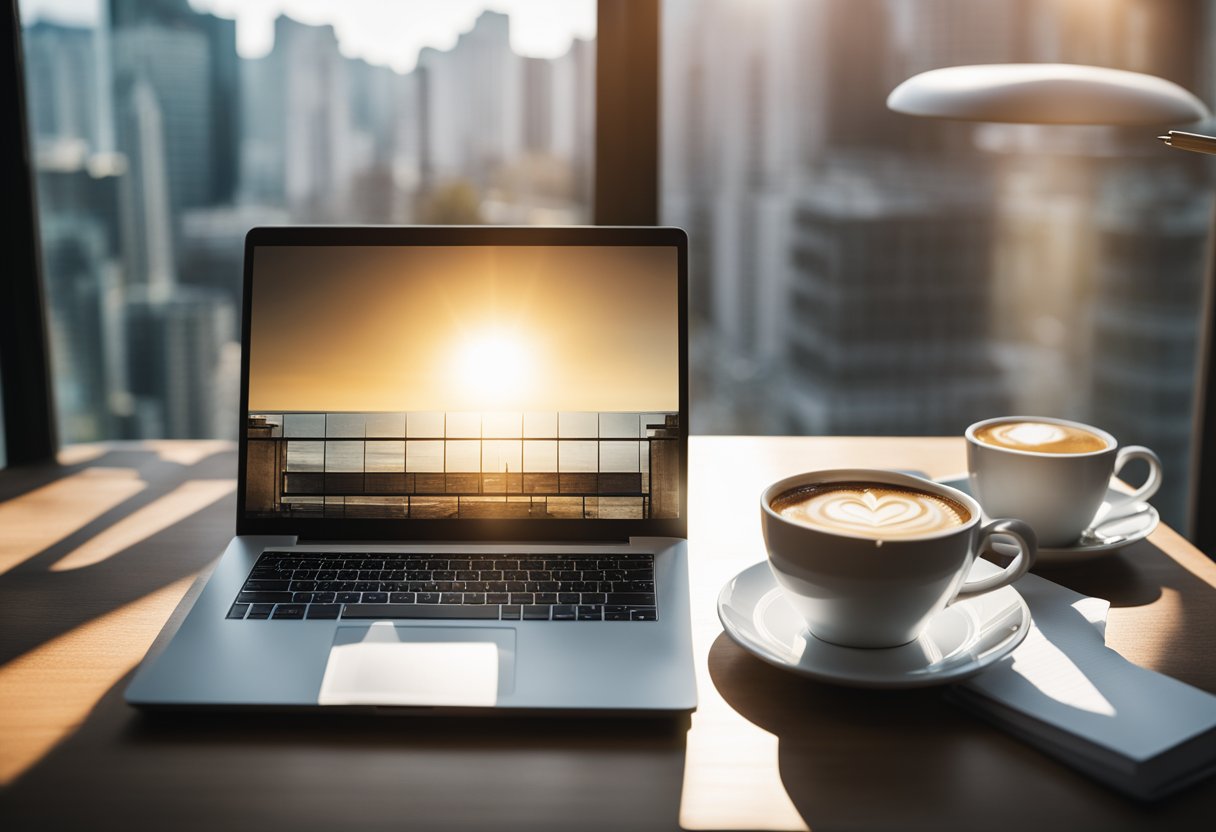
[1064, 691]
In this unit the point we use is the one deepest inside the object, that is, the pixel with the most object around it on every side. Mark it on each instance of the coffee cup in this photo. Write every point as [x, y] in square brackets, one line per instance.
[1052, 473]
[868, 557]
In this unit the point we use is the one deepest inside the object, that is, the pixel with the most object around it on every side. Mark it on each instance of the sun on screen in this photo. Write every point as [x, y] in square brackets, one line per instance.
[493, 367]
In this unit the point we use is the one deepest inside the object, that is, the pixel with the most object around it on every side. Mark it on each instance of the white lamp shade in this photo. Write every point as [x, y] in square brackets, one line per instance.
[1046, 94]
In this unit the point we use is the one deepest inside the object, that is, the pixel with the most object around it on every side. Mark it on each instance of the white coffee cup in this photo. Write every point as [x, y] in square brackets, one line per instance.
[862, 590]
[1058, 494]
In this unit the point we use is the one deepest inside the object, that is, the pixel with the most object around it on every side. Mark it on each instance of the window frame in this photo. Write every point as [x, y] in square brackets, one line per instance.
[29, 415]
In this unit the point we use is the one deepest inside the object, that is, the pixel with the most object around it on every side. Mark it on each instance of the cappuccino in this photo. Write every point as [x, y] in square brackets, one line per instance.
[1040, 437]
[870, 509]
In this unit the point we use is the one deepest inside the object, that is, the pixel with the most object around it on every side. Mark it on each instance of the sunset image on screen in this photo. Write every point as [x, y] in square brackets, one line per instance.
[464, 381]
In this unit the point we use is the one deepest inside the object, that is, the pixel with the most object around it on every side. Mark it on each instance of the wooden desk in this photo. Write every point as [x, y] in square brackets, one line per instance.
[95, 554]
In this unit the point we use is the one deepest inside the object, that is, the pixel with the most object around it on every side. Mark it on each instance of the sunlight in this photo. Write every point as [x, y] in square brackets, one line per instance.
[188, 498]
[493, 367]
[38, 519]
[80, 666]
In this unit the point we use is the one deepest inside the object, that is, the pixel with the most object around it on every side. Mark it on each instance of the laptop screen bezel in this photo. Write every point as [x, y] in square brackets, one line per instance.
[406, 529]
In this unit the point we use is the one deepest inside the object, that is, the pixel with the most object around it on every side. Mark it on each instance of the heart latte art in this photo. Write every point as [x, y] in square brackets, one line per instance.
[871, 510]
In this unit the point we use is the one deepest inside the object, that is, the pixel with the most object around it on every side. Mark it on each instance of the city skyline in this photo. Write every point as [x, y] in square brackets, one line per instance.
[427, 328]
[850, 270]
[383, 34]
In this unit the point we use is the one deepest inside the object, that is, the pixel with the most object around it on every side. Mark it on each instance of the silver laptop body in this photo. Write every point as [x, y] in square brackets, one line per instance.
[463, 479]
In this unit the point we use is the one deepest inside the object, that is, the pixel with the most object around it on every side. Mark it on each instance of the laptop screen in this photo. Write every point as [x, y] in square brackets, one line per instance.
[463, 382]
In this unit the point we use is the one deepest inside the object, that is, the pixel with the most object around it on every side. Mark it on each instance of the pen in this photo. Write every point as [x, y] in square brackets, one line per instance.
[1190, 141]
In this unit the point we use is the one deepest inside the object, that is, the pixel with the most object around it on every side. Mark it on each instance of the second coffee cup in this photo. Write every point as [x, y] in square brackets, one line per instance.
[1052, 473]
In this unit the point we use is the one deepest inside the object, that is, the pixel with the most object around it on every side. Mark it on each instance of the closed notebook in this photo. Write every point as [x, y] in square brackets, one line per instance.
[1064, 691]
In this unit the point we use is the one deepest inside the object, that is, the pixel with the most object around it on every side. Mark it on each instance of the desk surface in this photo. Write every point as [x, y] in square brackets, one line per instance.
[96, 553]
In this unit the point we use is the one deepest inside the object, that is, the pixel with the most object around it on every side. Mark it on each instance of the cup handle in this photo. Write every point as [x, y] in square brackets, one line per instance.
[1148, 489]
[1027, 548]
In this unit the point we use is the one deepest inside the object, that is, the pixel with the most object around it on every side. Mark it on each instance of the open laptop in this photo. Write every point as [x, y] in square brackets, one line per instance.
[463, 478]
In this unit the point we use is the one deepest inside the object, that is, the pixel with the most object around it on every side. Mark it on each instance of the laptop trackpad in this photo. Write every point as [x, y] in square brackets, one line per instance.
[384, 664]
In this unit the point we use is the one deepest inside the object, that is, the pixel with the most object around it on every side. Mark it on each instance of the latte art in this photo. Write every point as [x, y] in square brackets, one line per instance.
[871, 510]
[1041, 437]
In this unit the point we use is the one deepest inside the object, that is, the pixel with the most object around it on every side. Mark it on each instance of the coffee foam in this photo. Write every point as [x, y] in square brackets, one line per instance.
[1040, 437]
[873, 510]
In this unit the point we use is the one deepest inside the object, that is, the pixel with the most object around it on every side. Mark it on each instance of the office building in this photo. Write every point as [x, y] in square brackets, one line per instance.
[474, 103]
[60, 63]
[182, 375]
[886, 325]
[1152, 250]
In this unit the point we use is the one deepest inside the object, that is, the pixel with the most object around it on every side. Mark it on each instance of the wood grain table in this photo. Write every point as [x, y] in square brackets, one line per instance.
[95, 554]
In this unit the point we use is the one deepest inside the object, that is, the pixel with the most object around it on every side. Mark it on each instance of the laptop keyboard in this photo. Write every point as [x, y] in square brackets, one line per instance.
[510, 587]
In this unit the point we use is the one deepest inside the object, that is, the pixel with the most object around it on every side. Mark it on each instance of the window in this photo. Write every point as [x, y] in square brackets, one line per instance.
[163, 131]
[854, 271]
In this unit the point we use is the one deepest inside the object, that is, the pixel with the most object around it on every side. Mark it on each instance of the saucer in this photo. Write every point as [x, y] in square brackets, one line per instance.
[961, 640]
[1122, 530]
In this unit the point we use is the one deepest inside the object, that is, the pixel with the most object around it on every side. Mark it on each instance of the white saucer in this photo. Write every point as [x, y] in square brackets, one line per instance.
[961, 640]
[1123, 530]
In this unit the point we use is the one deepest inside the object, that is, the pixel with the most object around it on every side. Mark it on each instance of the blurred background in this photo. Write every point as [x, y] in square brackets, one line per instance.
[852, 271]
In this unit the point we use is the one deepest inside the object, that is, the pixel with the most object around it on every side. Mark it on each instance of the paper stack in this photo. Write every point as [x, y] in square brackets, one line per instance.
[1064, 691]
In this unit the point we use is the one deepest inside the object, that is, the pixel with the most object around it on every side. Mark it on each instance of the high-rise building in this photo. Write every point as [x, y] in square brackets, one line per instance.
[60, 63]
[221, 80]
[572, 117]
[173, 65]
[1152, 254]
[885, 328]
[730, 154]
[81, 195]
[474, 103]
[179, 366]
[148, 220]
[318, 141]
[263, 130]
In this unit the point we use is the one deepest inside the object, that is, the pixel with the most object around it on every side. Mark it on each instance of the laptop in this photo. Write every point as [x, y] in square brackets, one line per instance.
[463, 479]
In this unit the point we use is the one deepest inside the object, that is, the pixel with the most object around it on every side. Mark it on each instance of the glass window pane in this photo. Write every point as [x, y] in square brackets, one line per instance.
[578, 425]
[463, 456]
[343, 456]
[540, 456]
[501, 455]
[304, 424]
[463, 426]
[502, 425]
[424, 456]
[856, 271]
[385, 424]
[159, 137]
[345, 424]
[620, 425]
[577, 457]
[620, 457]
[385, 456]
[424, 424]
[540, 425]
[305, 456]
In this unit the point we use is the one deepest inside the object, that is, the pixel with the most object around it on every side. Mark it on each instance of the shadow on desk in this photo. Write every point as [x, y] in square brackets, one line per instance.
[909, 760]
[107, 542]
[1141, 575]
[128, 770]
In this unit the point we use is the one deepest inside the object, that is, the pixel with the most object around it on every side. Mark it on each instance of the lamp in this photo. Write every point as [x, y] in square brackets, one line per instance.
[1046, 94]
[1076, 94]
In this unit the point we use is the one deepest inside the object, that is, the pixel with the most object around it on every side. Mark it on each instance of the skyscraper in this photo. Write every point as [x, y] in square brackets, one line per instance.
[474, 118]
